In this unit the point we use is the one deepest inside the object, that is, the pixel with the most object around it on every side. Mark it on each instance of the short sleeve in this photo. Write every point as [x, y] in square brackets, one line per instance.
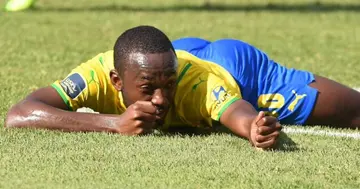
[218, 96]
[80, 88]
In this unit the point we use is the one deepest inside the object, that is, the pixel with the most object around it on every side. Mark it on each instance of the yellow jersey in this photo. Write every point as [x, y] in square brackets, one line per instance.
[204, 90]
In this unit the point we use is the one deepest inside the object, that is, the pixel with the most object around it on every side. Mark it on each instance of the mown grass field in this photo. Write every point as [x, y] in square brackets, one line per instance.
[40, 46]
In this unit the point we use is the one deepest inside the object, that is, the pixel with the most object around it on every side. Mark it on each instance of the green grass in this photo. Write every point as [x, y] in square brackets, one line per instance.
[43, 45]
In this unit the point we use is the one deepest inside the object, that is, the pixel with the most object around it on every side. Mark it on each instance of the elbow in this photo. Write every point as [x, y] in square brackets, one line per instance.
[14, 118]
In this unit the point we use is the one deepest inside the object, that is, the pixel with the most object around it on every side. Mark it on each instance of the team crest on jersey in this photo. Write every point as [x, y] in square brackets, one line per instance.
[220, 95]
[73, 85]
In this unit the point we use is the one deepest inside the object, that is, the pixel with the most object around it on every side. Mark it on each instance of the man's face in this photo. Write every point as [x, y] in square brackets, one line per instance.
[150, 77]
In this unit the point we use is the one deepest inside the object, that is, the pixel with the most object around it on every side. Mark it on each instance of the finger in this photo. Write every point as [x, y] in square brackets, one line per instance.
[260, 115]
[261, 138]
[143, 116]
[144, 106]
[267, 120]
[267, 144]
[145, 125]
[266, 130]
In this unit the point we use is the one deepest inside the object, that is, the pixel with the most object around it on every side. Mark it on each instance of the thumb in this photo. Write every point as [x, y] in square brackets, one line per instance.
[254, 128]
[259, 116]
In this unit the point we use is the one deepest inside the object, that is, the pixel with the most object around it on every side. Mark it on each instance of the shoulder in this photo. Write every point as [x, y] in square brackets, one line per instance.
[104, 60]
[99, 65]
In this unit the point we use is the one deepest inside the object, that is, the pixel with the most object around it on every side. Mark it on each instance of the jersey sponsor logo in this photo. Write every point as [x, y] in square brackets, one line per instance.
[220, 95]
[73, 85]
[195, 86]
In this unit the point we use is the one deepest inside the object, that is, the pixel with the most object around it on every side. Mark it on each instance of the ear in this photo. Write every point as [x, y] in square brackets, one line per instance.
[116, 80]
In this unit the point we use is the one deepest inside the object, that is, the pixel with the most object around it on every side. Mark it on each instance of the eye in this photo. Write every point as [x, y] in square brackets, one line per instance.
[147, 89]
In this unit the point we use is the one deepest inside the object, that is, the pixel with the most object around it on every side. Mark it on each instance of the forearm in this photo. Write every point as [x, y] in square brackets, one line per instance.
[35, 114]
[242, 118]
[243, 124]
[239, 117]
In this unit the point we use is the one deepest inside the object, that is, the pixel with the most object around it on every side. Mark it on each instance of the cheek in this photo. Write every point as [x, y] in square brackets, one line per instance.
[127, 98]
[132, 94]
[129, 94]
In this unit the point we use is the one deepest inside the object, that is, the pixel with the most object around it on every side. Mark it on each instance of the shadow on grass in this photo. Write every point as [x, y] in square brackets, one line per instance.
[276, 7]
[284, 144]
[188, 131]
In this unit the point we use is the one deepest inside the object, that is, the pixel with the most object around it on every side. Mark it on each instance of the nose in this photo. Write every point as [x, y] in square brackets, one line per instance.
[159, 99]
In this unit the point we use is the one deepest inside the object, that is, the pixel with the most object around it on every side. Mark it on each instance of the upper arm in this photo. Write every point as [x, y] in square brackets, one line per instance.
[218, 95]
[49, 96]
[83, 86]
[73, 90]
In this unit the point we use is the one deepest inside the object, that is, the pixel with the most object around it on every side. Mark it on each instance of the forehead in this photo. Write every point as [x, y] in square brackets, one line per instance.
[152, 64]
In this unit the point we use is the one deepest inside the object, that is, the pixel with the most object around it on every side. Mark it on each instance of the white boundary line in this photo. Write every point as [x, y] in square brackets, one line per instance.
[310, 131]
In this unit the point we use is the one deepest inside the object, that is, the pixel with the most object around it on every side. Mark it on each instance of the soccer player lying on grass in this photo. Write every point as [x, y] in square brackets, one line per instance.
[145, 84]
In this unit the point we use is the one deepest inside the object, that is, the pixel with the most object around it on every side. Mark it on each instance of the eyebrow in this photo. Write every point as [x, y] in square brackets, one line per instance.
[146, 77]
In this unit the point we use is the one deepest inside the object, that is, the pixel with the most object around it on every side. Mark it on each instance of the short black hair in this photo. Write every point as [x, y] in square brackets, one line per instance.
[140, 39]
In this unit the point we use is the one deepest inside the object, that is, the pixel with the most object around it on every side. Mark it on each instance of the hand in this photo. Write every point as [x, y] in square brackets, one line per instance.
[264, 131]
[139, 118]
